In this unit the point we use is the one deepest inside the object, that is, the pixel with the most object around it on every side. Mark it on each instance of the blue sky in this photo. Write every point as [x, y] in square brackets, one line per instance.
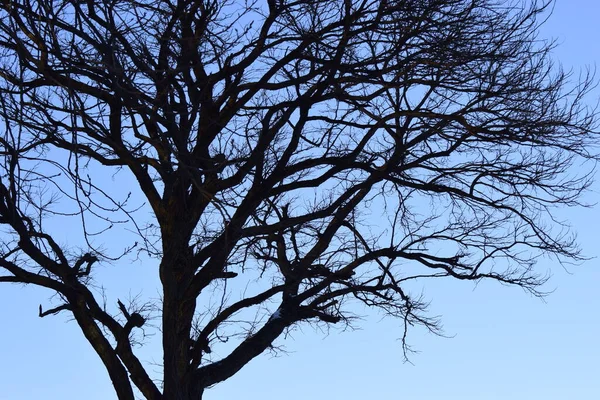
[504, 343]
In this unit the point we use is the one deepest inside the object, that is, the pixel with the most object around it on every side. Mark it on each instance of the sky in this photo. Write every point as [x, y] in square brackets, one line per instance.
[501, 342]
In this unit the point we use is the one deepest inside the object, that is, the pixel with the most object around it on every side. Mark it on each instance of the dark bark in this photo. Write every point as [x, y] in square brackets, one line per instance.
[312, 153]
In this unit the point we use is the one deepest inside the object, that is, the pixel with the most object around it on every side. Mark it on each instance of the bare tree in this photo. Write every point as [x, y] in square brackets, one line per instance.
[295, 158]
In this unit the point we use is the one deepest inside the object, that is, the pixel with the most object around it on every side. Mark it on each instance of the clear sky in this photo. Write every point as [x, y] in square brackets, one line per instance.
[504, 343]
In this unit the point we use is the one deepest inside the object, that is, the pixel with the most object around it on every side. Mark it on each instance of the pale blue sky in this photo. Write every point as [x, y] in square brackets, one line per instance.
[505, 345]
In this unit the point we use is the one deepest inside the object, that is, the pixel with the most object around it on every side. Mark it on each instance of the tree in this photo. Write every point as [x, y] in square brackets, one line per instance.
[295, 158]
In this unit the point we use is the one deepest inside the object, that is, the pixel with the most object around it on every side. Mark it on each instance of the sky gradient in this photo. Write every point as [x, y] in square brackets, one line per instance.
[502, 343]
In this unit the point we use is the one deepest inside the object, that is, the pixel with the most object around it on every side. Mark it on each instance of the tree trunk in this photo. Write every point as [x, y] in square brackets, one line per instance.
[178, 312]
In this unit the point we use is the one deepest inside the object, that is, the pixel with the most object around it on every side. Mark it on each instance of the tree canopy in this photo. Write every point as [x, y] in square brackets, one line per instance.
[277, 163]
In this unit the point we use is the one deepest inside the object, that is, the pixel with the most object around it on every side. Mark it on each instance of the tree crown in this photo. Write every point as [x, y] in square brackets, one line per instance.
[283, 160]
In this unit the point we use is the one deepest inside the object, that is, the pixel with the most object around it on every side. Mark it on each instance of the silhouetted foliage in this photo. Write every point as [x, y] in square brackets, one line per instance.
[295, 158]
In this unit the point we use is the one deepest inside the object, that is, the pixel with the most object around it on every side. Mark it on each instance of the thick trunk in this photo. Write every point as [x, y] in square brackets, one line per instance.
[177, 317]
[178, 313]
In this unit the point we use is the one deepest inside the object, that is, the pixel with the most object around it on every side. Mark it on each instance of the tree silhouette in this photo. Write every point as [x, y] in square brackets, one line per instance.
[295, 158]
